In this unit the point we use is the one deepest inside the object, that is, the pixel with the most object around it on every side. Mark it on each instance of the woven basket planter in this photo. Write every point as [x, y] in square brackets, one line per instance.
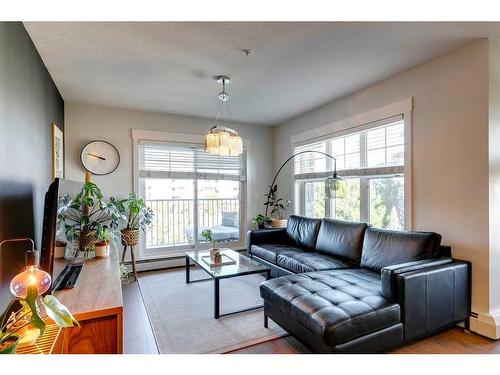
[279, 223]
[85, 243]
[130, 237]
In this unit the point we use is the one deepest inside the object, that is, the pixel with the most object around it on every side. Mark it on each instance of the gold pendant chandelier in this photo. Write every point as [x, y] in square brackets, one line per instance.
[221, 140]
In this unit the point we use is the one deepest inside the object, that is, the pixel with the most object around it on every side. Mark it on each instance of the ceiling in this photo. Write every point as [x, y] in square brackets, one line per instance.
[295, 66]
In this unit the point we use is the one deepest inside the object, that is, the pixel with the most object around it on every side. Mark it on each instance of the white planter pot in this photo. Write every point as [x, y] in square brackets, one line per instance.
[102, 251]
[60, 252]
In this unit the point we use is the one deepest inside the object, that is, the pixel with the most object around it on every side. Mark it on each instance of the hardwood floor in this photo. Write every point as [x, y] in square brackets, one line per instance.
[453, 341]
[138, 337]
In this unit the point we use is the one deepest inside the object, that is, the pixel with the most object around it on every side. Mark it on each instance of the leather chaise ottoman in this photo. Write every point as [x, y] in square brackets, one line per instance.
[342, 308]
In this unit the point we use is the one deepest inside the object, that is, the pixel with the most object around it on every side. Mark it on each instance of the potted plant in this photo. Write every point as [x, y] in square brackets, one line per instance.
[136, 215]
[261, 222]
[60, 249]
[102, 246]
[15, 320]
[87, 218]
[214, 252]
[278, 207]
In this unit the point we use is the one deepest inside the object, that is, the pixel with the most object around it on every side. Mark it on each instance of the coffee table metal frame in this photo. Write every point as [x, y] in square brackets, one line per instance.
[217, 279]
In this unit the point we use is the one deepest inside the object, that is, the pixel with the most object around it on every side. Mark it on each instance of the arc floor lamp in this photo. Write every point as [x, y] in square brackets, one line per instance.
[335, 186]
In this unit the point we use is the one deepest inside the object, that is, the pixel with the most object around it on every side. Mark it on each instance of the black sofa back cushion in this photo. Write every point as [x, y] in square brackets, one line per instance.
[383, 248]
[303, 231]
[343, 239]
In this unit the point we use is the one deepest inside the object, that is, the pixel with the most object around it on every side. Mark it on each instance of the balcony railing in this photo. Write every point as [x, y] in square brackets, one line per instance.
[173, 222]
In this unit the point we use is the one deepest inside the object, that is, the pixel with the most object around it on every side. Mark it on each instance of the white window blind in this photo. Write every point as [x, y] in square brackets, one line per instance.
[373, 150]
[159, 160]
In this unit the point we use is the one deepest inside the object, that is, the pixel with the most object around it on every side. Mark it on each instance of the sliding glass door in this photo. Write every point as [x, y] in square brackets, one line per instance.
[190, 191]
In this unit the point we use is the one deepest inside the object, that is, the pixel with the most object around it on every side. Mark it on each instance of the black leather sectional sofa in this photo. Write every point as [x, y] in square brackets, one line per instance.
[345, 287]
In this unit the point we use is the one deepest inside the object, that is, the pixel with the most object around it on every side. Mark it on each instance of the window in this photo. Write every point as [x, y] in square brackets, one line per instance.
[190, 190]
[371, 159]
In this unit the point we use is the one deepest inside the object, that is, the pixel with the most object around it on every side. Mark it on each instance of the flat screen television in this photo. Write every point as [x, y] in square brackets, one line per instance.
[57, 267]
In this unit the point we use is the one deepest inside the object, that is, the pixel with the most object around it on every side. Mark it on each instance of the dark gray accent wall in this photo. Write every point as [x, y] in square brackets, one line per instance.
[29, 103]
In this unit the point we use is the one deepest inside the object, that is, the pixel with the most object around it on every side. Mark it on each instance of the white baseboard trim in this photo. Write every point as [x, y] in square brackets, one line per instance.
[487, 325]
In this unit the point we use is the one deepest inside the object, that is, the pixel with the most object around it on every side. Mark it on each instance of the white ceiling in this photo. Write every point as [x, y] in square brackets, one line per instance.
[295, 67]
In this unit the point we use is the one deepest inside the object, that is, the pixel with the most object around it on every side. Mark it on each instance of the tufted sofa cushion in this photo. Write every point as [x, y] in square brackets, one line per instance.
[303, 231]
[337, 305]
[299, 262]
[270, 252]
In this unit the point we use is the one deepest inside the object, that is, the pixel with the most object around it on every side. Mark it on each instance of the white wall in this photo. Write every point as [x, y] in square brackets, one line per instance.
[450, 150]
[84, 123]
[494, 185]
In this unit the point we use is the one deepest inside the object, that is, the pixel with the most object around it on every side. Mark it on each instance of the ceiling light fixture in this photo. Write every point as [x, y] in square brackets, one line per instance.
[220, 140]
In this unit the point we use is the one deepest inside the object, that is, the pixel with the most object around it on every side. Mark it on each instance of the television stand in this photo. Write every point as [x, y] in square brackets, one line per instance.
[96, 302]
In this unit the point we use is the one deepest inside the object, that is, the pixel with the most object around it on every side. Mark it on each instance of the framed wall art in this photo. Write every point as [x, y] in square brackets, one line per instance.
[57, 152]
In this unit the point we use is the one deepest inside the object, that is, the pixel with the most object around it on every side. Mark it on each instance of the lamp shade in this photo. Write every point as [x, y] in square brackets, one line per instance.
[223, 142]
[335, 187]
[31, 276]
[235, 145]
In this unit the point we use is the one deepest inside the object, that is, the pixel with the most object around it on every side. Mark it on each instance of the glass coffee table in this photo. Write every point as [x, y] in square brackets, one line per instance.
[242, 266]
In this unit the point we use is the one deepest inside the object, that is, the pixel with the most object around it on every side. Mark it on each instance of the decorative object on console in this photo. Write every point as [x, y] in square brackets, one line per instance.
[27, 287]
[87, 218]
[261, 222]
[100, 157]
[215, 256]
[137, 216]
[221, 140]
[335, 187]
[102, 246]
[57, 152]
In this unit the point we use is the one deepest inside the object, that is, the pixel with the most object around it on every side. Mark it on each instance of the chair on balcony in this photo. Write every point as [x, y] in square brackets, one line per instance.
[228, 230]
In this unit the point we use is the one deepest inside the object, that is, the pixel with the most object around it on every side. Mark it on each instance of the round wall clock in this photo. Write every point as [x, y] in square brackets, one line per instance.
[100, 157]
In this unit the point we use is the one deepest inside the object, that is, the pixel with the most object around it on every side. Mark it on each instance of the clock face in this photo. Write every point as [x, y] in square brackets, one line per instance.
[100, 157]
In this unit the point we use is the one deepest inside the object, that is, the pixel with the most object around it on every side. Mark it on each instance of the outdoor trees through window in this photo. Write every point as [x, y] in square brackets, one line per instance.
[371, 160]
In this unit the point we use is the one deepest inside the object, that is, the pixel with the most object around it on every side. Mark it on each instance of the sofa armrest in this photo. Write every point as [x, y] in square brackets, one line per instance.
[389, 286]
[267, 236]
[433, 298]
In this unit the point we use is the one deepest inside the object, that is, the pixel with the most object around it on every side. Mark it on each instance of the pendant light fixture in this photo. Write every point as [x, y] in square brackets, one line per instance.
[221, 140]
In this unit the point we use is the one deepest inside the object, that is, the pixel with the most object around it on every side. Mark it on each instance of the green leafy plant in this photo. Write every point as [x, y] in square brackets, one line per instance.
[28, 314]
[209, 237]
[260, 221]
[134, 211]
[87, 217]
[277, 205]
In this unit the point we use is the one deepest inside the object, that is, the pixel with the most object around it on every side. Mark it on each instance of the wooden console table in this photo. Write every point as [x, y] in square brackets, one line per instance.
[96, 302]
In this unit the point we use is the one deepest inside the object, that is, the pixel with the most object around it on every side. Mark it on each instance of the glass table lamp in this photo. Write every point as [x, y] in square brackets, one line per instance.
[31, 275]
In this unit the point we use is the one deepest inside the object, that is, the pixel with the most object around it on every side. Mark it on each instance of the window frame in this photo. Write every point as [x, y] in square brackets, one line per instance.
[364, 121]
[189, 140]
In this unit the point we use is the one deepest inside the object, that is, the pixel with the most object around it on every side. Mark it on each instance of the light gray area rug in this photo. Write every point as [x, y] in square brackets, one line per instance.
[182, 314]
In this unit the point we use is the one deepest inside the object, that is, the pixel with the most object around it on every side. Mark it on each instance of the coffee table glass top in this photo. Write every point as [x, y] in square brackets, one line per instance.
[243, 264]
